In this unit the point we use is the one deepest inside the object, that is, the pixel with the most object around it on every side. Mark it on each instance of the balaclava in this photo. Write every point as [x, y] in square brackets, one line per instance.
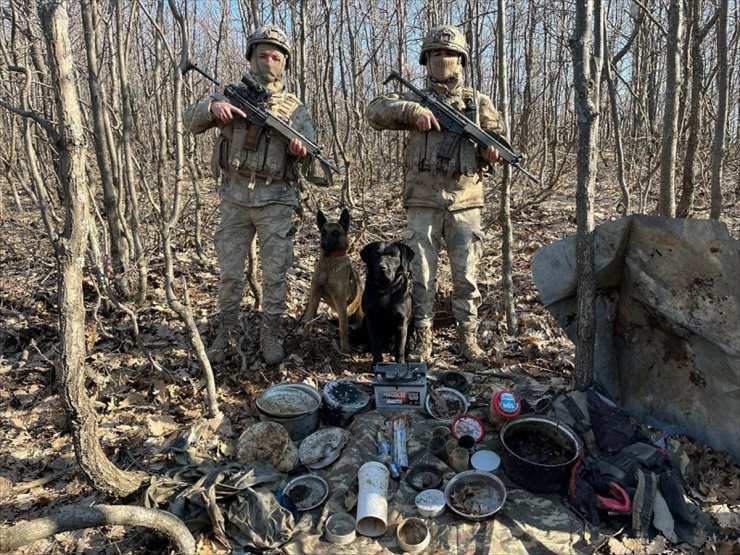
[270, 75]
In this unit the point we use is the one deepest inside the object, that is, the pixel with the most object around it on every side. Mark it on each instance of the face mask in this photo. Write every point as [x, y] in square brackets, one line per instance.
[269, 72]
[444, 67]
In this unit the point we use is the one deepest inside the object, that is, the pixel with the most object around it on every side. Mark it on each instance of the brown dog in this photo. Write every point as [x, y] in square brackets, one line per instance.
[335, 280]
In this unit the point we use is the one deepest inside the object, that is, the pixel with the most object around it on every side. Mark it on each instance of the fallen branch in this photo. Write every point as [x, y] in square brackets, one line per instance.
[76, 518]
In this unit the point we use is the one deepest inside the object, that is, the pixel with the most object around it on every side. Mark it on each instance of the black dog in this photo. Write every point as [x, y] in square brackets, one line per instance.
[386, 299]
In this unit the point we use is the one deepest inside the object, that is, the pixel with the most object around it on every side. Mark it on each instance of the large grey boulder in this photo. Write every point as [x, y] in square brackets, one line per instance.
[668, 320]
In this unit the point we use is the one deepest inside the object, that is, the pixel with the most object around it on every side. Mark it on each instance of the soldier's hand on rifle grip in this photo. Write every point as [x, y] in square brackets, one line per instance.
[426, 121]
[297, 148]
[224, 112]
[491, 155]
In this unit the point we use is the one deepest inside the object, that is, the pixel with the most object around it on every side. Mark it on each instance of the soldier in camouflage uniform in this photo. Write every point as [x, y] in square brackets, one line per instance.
[257, 190]
[443, 197]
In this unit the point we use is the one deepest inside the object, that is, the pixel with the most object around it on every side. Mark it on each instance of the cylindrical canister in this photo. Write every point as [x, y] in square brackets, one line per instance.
[372, 502]
[505, 406]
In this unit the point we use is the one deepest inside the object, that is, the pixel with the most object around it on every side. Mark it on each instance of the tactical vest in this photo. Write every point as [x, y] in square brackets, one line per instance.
[441, 152]
[250, 151]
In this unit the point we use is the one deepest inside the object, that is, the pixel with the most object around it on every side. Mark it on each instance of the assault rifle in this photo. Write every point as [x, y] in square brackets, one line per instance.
[457, 126]
[251, 98]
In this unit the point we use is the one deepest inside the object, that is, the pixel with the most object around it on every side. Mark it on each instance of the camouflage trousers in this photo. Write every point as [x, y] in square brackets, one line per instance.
[463, 239]
[274, 228]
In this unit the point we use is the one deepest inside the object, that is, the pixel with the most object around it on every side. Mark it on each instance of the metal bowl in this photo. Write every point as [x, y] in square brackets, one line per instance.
[475, 495]
[307, 492]
[448, 394]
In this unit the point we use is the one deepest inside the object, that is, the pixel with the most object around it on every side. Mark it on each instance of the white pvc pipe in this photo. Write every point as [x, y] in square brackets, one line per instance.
[372, 502]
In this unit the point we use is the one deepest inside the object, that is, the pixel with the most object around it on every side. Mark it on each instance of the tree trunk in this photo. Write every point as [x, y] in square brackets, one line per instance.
[721, 126]
[507, 237]
[171, 217]
[119, 253]
[686, 202]
[70, 251]
[75, 518]
[586, 83]
[667, 199]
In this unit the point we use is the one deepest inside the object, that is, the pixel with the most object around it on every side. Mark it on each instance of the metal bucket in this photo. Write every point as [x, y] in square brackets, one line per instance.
[301, 423]
[538, 452]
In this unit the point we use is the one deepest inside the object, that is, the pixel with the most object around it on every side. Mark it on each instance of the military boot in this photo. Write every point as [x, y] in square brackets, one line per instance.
[272, 349]
[225, 340]
[468, 342]
[422, 348]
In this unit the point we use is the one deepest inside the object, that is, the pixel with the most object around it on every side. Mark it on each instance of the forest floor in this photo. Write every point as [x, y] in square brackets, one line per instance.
[141, 409]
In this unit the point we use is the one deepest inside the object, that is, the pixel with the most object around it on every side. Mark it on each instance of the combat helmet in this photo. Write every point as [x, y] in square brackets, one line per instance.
[269, 34]
[444, 37]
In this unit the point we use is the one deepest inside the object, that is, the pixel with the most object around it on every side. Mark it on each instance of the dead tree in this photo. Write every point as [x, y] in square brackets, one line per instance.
[76, 518]
[667, 197]
[720, 128]
[119, 251]
[70, 249]
[507, 237]
[586, 46]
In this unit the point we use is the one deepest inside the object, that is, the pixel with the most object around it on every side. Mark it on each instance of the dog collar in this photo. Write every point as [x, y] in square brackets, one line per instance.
[337, 252]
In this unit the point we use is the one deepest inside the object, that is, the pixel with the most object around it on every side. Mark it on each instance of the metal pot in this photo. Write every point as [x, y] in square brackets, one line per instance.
[299, 425]
[538, 452]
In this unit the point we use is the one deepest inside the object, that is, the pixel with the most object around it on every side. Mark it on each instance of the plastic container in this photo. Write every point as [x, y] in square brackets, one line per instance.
[340, 529]
[372, 502]
[413, 535]
[485, 461]
[538, 452]
[430, 503]
[467, 424]
[342, 400]
[505, 406]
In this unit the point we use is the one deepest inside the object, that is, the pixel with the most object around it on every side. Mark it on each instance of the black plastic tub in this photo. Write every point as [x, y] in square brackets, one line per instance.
[539, 452]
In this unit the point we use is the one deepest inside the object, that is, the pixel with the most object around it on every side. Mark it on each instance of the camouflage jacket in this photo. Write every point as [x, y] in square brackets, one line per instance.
[431, 181]
[254, 177]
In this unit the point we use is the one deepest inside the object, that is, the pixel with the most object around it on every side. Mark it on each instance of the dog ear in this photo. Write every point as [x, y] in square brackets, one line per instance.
[344, 220]
[407, 255]
[368, 251]
[320, 219]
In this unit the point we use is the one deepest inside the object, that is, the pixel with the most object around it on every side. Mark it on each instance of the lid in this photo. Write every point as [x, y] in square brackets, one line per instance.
[340, 392]
[485, 461]
[397, 372]
[286, 400]
[468, 425]
[506, 404]
[430, 500]
[323, 447]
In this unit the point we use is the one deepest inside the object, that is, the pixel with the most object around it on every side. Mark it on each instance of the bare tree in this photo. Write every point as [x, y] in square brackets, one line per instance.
[70, 251]
[667, 198]
[586, 46]
[507, 237]
[718, 145]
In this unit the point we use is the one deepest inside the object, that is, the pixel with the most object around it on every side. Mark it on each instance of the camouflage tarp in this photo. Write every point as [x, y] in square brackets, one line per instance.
[528, 523]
